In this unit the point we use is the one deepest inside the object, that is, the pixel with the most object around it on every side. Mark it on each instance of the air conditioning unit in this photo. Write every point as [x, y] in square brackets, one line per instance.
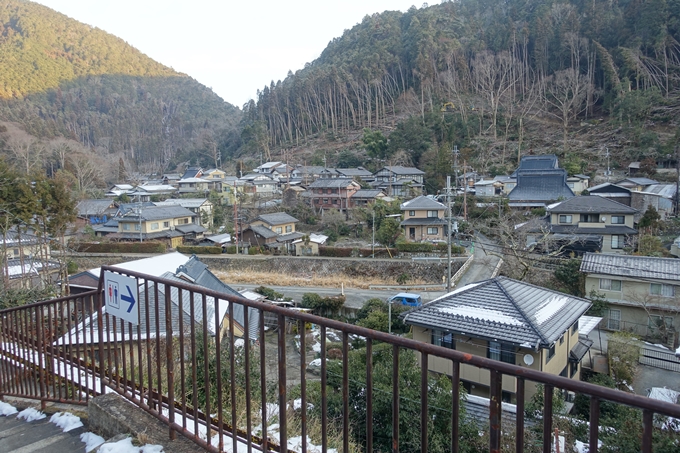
[603, 219]
[172, 227]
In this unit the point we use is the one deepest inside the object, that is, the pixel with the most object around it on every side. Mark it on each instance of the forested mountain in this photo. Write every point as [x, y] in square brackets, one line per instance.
[62, 78]
[481, 73]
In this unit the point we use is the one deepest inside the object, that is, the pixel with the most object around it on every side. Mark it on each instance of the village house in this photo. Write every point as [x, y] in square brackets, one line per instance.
[397, 181]
[424, 219]
[643, 293]
[365, 197]
[332, 193]
[202, 207]
[170, 224]
[506, 320]
[584, 216]
[278, 222]
[193, 186]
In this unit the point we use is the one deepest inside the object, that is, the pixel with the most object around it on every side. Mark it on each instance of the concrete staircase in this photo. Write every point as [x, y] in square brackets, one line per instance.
[20, 436]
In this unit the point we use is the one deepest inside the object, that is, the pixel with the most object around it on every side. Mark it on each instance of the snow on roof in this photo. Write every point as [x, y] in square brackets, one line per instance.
[587, 324]
[154, 266]
[483, 314]
[549, 308]
[251, 295]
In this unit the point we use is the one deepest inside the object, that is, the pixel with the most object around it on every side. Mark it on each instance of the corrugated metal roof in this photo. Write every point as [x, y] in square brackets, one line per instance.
[632, 266]
[502, 309]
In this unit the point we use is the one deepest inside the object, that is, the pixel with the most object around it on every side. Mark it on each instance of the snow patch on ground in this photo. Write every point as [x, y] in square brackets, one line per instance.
[66, 421]
[125, 446]
[8, 409]
[31, 415]
[91, 441]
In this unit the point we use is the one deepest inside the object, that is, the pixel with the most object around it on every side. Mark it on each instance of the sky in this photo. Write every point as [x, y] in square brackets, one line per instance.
[233, 47]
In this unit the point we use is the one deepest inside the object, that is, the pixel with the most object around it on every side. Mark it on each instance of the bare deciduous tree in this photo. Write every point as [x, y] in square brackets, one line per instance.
[566, 92]
[493, 76]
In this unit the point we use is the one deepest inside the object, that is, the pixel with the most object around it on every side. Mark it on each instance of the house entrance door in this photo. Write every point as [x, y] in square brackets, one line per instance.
[412, 233]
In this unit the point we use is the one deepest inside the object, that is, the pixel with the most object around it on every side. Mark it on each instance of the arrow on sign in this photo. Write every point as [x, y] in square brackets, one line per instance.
[129, 299]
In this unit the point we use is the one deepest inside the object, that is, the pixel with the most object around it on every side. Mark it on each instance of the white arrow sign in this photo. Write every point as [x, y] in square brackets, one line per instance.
[121, 295]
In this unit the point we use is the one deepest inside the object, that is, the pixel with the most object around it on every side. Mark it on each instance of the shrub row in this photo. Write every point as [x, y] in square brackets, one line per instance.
[121, 247]
[426, 247]
[199, 250]
[335, 251]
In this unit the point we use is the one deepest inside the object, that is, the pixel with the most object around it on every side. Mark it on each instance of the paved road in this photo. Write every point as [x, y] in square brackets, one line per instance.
[483, 265]
[355, 297]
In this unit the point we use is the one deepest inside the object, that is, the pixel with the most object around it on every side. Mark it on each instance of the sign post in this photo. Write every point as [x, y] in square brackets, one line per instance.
[121, 296]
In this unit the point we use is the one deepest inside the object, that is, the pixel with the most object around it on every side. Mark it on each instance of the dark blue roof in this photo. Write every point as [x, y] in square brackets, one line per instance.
[541, 185]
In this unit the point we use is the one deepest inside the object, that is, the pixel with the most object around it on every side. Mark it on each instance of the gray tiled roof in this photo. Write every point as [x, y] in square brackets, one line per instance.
[367, 193]
[263, 231]
[353, 172]
[632, 266]
[93, 207]
[590, 204]
[502, 309]
[423, 221]
[422, 202]
[277, 218]
[331, 183]
[638, 181]
[191, 228]
[541, 185]
[399, 170]
[541, 162]
[608, 229]
[158, 213]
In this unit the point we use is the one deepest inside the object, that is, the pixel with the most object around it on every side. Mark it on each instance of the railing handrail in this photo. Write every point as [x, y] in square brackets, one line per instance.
[629, 399]
[49, 302]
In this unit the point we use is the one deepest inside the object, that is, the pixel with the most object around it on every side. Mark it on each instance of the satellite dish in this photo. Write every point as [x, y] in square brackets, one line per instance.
[528, 359]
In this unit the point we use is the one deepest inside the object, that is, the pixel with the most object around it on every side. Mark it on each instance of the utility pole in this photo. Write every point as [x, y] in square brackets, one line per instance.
[607, 156]
[373, 238]
[455, 163]
[677, 178]
[448, 238]
[236, 216]
[465, 187]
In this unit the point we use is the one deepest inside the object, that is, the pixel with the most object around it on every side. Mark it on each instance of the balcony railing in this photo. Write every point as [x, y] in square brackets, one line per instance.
[185, 364]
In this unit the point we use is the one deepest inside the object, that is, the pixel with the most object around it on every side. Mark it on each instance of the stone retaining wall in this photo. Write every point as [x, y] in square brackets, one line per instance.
[429, 271]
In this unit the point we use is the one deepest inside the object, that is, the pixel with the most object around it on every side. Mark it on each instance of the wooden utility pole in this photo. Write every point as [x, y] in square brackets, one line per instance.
[465, 189]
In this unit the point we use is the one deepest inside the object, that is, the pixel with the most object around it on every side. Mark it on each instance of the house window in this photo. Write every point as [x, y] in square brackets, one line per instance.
[618, 219]
[154, 226]
[565, 218]
[325, 201]
[166, 224]
[608, 284]
[617, 241]
[551, 353]
[431, 214]
[574, 327]
[432, 230]
[335, 201]
[279, 230]
[16, 252]
[412, 213]
[660, 322]
[289, 228]
[573, 369]
[590, 218]
[614, 321]
[444, 339]
[562, 340]
[138, 227]
[658, 289]
[126, 227]
[502, 352]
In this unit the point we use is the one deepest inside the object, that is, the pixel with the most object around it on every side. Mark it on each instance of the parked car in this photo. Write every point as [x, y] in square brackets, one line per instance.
[409, 299]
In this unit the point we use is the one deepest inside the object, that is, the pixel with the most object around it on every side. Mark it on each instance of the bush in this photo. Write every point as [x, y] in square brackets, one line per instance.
[338, 252]
[269, 293]
[323, 306]
[231, 249]
[199, 250]
[254, 250]
[121, 247]
[415, 247]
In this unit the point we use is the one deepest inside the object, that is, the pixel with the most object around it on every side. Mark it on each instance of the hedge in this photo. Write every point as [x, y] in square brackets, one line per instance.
[380, 252]
[335, 251]
[199, 250]
[121, 247]
[415, 247]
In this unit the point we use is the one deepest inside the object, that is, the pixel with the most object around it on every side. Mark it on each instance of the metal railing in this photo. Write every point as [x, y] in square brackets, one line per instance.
[186, 365]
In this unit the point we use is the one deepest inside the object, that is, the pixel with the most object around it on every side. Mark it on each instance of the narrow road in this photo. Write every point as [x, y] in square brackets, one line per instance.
[355, 298]
[485, 262]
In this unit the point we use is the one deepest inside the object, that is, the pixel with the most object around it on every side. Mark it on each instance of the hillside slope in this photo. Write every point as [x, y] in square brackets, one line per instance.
[63, 78]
